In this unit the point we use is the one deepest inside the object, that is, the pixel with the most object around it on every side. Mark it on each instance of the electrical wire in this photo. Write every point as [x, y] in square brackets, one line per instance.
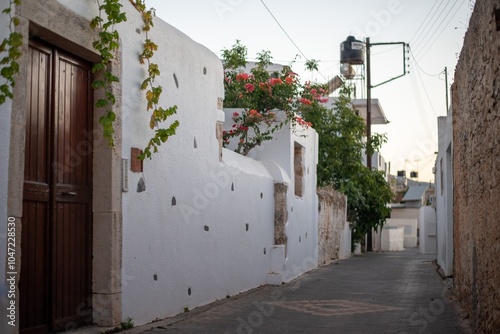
[420, 68]
[287, 35]
[439, 34]
[430, 11]
[423, 86]
[417, 43]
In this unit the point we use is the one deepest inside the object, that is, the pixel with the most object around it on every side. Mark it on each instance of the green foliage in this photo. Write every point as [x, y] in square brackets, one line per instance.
[12, 47]
[153, 93]
[124, 325]
[127, 324]
[235, 57]
[107, 45]
[269, 99]
[340, 163]
[312, 65]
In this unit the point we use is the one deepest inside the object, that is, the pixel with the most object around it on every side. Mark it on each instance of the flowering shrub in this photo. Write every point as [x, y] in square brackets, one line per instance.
[269, 99]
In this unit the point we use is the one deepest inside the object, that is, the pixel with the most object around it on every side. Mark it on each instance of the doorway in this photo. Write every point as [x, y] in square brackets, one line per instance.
[56, 260]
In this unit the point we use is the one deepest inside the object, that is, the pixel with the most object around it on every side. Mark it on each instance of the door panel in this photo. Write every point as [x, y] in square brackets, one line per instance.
[72, 192]
[34, 279]
[55, 284]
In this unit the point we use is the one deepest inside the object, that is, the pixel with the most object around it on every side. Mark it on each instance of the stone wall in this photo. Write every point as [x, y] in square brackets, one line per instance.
[332, 218]
[476, 167]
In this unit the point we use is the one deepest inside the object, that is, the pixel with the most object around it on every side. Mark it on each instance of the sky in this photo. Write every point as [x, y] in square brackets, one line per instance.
[314, 29]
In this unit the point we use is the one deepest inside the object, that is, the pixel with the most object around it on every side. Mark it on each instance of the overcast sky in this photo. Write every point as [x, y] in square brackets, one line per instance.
[315, 29]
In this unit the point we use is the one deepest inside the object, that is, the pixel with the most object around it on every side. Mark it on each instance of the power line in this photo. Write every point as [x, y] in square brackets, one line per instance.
[420, 68]
[430, 11]
[284, 31]
[439, 34]
[432, 26]
[423, 86]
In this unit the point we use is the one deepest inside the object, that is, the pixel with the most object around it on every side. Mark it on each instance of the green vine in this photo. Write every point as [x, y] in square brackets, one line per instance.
[153, 92]
[106, 45]
[11, 45]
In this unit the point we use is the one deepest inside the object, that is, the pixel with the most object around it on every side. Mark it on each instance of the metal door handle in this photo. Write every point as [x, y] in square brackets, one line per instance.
[69, 193]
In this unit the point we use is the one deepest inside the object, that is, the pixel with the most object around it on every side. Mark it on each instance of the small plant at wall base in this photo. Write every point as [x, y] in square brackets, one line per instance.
[11, 45]
[124, 325]
[269, 99]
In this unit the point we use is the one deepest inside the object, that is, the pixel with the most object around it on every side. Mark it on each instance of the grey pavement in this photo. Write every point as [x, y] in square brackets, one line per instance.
[381, 292]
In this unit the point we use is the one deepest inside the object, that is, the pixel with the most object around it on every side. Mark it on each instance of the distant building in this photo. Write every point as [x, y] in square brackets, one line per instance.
[415, 197]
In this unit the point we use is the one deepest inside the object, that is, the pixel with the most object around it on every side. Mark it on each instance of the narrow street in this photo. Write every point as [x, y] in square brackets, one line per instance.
[389, 292]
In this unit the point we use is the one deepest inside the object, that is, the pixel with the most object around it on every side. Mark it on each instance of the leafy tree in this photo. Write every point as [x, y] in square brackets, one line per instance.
[340, 162]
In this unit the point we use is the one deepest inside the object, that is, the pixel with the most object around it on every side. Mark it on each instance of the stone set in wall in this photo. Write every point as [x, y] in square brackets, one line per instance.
[476, 166]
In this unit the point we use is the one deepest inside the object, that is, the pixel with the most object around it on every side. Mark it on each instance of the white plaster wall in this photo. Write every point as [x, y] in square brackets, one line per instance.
[392, 238]
[5, 121]
[166, 250]
[427, 226]
[444, 195]
[345, 241]
[410, 230]
[302, 224]
[170, 261]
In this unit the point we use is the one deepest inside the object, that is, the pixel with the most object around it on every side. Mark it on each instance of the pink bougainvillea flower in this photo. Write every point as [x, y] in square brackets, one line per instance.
[305, 101]
[249, 87]
[275, 81]
[242, 77]
[235, 114]
[254, 113]
[289, 80]
[242, 141]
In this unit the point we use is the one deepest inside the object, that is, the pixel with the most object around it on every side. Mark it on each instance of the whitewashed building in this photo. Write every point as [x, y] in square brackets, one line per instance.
[106, 237]
[444, 194]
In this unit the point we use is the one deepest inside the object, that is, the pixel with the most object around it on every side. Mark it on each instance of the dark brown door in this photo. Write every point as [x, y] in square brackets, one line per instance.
[56, 275]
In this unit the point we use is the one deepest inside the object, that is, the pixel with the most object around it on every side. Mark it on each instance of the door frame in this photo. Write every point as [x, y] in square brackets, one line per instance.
[43, 20]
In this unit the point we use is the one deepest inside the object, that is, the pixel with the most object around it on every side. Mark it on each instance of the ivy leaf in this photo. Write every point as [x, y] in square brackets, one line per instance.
[98, 67]
[101, 103]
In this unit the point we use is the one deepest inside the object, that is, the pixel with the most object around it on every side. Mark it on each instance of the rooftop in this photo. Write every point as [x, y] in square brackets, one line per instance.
[415, 193]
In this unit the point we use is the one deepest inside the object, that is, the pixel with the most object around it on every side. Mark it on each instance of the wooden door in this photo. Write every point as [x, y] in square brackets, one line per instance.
[55, 283]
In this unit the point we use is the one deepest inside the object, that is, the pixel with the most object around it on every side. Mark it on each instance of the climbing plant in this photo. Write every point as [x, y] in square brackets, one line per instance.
[153, 92]
[107, 44]
[12, 46]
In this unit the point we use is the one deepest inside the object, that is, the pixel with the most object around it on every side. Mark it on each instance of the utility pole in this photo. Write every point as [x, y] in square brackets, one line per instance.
[351, 54]
[369, 242]
[368, 105]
